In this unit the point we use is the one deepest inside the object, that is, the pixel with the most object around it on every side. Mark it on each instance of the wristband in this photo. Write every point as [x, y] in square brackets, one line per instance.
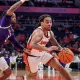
[22, 1]
[59, 49]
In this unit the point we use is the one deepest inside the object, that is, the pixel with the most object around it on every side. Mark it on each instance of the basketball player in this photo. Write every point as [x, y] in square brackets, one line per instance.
[40, 53]
[6, 32]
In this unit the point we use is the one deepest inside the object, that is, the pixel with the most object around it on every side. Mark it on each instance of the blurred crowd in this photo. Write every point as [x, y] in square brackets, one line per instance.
[66, 31]
[45, 3]
[66, 28]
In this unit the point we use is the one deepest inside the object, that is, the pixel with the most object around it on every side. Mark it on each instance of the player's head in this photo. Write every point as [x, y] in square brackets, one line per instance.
[13, 18]
[45, 22]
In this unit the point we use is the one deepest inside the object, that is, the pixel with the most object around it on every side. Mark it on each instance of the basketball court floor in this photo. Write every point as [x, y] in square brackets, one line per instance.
[44, 75]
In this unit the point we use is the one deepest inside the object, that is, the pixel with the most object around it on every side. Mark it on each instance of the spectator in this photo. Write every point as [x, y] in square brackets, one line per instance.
[20, 62]
[13, 61]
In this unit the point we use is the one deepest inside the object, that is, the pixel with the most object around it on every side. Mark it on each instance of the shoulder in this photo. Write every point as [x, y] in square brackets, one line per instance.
[52, 33]
[5, 21]
[6, 16]
[38, 32]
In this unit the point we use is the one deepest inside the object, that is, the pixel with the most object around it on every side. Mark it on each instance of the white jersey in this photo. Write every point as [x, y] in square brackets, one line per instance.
[43, 42]
[38, 56]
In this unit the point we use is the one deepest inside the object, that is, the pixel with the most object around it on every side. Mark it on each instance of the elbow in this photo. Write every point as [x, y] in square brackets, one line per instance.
[9, 12]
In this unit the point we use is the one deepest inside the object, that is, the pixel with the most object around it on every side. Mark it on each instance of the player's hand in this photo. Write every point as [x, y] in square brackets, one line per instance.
[23, 1]
[52, 48]
[27, 51]
[59, 49]
[64, 49]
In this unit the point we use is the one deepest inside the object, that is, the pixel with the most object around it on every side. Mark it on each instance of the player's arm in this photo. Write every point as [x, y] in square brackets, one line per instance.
[36, 37]
[6, 19]
[18, 45]
[15, 6]
[54, 41]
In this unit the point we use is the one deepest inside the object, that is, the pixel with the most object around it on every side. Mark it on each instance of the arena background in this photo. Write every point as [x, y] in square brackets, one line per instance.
[66, 27]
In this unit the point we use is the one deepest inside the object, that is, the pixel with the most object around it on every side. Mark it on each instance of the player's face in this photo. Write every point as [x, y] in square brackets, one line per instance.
[13, 18]
[47, 23]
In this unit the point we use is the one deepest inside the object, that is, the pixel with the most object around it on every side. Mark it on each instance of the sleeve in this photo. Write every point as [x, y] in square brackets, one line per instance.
[5, 21]
[16, 43]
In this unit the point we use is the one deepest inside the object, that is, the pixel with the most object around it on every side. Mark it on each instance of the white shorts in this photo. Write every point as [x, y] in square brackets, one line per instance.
[3, 64]
[34, 61]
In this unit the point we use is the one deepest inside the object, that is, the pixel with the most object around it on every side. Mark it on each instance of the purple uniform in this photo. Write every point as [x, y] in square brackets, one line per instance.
[6, 32]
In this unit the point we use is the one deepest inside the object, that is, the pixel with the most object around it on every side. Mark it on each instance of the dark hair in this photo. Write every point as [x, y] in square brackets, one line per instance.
[41, 19]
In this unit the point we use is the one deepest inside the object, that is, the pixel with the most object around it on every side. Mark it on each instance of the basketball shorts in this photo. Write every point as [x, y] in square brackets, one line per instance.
[35, 60]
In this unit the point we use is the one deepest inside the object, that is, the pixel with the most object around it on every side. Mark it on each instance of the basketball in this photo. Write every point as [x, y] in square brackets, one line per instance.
[66, 55]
